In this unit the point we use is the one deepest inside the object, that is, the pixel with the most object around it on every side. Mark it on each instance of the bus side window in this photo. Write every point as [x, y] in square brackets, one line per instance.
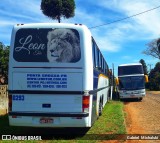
[93, 53]
[102, 64]
[104, 67]
[99, 61]
[107, 70]
[97, 54]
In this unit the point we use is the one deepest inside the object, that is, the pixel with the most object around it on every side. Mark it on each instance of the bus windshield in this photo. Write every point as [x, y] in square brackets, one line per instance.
[131, 83]
[129, 70]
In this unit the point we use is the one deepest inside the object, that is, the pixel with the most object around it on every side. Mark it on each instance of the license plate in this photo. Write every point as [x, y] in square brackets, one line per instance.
[132, 95]
[46, 120]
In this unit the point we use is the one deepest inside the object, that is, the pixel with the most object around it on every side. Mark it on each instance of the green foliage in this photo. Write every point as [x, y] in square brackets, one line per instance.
[144, 66]
[55, 9]
[154, 78]
[4, 59]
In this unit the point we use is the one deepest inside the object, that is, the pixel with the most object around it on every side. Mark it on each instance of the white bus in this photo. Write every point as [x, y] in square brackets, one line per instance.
[131, 81]
[57, 76]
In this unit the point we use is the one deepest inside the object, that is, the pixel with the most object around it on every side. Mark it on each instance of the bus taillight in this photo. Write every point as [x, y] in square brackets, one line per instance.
[9, 102]
[85, 103]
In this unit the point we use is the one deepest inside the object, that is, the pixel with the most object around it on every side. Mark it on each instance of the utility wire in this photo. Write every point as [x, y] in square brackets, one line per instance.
[125, 18]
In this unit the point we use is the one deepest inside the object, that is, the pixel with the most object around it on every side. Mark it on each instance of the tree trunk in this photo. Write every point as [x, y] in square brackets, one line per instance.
[59, 19]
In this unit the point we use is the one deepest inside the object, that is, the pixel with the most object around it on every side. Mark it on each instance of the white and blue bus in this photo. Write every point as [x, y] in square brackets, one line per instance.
[57, 76]
[131, 81]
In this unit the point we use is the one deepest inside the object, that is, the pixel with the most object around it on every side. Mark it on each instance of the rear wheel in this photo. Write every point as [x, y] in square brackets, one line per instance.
[100, 108]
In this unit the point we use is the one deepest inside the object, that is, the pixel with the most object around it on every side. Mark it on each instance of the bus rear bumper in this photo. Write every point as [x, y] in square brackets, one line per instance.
[49, 119]
[74, 114]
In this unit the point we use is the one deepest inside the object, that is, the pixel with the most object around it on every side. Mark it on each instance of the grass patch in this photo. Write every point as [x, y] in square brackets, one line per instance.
[111, 121]
[108, 125]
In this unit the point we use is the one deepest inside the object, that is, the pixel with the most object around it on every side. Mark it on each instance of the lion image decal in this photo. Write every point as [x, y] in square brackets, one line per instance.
[63, 46]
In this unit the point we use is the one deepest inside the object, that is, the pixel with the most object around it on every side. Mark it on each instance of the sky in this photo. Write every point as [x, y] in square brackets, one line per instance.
[120, 42]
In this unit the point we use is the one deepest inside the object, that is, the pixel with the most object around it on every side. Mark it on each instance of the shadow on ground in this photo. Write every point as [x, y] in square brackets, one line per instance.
[46, 133]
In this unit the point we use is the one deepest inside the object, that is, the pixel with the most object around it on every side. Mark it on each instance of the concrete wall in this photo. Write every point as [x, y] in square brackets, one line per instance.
[3, 99]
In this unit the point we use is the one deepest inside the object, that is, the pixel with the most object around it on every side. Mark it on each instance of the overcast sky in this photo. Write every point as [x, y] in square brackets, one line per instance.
[121, 42]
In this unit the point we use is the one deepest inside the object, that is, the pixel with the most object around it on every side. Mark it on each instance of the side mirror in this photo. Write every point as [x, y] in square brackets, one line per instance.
[146, 78]
[117, 81]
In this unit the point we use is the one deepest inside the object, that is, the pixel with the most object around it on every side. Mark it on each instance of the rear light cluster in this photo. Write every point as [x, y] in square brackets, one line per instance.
[9, 102]
[85, 103]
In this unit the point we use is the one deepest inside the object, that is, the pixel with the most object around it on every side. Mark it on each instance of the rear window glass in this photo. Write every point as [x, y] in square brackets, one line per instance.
[129, 70]
[47, 45]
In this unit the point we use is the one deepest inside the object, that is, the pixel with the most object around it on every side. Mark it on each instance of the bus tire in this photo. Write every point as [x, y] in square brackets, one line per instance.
[100, 108]
[140, 99]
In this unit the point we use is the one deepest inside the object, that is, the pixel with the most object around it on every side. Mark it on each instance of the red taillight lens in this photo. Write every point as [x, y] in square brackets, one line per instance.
[85, 103]
[9, 102]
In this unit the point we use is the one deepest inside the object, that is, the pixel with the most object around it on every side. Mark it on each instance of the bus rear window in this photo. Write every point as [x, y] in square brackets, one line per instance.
[47, 45]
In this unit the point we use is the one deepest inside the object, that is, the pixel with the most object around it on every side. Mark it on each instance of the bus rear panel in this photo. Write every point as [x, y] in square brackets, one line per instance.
[51, 76]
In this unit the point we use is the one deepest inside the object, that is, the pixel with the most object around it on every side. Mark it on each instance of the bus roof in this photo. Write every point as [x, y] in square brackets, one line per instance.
[49, 25]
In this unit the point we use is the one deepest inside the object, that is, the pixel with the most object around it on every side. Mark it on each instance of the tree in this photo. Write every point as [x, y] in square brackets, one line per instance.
[4, 59]
[152, 49]
[154, 78]
[158, 45]
[55, 9]
[144, 66]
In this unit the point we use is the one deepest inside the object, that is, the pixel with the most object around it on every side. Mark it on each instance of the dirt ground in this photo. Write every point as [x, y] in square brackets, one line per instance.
[143, 117]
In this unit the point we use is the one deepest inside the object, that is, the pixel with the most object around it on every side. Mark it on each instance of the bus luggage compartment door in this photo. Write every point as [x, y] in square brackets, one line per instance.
[51, 92]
